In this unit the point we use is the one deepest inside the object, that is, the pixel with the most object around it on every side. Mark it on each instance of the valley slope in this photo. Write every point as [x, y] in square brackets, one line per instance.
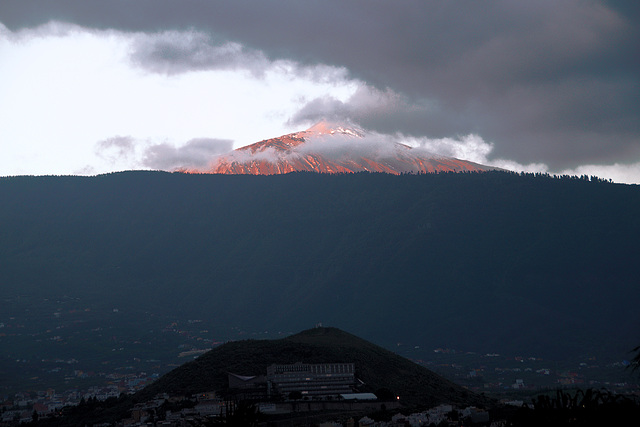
[487, 262]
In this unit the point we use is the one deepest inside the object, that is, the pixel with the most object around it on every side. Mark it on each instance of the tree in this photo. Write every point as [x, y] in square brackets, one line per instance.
[635, 362]
[239, 414]
[385, 394]
[295, 395]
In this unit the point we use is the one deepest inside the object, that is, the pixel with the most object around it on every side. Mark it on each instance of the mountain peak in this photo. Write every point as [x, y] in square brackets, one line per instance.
[324, 127]
[328, 147]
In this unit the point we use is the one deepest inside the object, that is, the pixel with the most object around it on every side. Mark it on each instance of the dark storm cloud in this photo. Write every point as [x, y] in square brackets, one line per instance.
[548, 81]
[370, 107]
[175, 52]
[196, 153]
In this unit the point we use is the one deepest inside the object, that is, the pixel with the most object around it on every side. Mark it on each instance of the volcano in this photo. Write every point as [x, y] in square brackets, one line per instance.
[333, 148]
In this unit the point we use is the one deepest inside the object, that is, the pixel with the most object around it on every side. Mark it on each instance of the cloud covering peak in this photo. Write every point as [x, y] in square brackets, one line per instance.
[547, 82]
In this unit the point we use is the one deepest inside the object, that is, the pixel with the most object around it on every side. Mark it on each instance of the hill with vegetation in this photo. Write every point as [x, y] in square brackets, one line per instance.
[487, 262]
[376, 367]
[377, 371]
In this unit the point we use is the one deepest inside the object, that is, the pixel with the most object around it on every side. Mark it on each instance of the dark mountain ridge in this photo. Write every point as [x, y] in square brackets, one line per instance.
[487, 262]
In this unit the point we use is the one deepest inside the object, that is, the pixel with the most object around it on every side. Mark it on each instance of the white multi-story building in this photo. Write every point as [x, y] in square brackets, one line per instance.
[321, 379]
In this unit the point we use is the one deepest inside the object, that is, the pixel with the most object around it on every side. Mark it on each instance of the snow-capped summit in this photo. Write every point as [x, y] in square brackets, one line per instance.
[324, 127]
[332, 148]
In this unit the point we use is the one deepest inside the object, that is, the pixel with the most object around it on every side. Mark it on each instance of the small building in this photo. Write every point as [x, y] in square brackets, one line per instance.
[358, 396]
[245, 387]
[244, 381]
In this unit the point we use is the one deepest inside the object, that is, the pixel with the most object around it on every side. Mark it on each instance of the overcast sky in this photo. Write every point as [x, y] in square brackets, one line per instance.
[88, 87]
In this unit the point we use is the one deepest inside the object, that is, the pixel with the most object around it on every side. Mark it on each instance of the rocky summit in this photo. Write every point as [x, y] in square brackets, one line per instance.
[333, 148]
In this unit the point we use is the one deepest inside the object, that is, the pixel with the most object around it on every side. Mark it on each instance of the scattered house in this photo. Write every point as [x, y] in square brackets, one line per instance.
[365, 422]
[210, 407]
[475, 415]
[206, 395]
[41, 408]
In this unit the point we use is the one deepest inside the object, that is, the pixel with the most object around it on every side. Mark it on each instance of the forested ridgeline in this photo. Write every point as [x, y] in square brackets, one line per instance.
[491, 261]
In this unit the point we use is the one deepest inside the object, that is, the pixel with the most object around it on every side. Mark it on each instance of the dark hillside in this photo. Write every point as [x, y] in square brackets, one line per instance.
[376, 367]
[491, 262]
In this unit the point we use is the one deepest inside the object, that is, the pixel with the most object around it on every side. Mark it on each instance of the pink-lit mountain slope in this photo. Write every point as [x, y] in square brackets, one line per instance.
[329, 148]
